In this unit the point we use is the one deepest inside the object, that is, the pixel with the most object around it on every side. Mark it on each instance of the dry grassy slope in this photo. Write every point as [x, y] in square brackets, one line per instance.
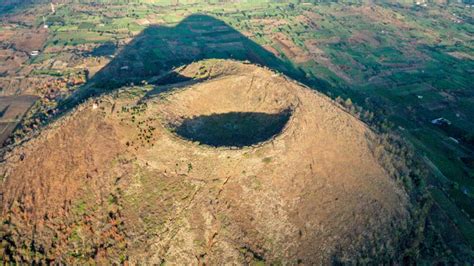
[113, 183]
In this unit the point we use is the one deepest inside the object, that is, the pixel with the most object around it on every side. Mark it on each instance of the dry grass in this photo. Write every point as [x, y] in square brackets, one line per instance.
[114, 184]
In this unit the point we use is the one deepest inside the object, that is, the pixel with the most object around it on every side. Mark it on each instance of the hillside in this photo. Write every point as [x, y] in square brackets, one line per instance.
[137, 189]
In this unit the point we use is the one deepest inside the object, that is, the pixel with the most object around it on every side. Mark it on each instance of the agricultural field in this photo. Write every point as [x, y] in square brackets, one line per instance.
[12, 109]
[404, 65]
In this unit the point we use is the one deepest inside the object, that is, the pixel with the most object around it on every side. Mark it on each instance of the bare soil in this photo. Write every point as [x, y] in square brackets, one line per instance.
[12, 109]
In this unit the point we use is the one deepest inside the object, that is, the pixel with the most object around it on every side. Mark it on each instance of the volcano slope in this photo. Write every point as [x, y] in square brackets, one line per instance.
[231, 164]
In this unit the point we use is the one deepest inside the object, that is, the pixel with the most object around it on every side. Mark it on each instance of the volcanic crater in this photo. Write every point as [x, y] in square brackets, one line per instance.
[233, 129]
[235, 164]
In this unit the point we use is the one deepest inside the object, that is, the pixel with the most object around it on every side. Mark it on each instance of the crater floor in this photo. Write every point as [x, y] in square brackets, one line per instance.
[233, 129]
[235, 164]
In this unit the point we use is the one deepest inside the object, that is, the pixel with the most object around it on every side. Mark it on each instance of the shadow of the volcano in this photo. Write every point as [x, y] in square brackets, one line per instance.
[9, 7]
[159, 49]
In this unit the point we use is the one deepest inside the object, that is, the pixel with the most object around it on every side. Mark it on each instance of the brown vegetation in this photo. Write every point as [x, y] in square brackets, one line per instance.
[112, 182]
